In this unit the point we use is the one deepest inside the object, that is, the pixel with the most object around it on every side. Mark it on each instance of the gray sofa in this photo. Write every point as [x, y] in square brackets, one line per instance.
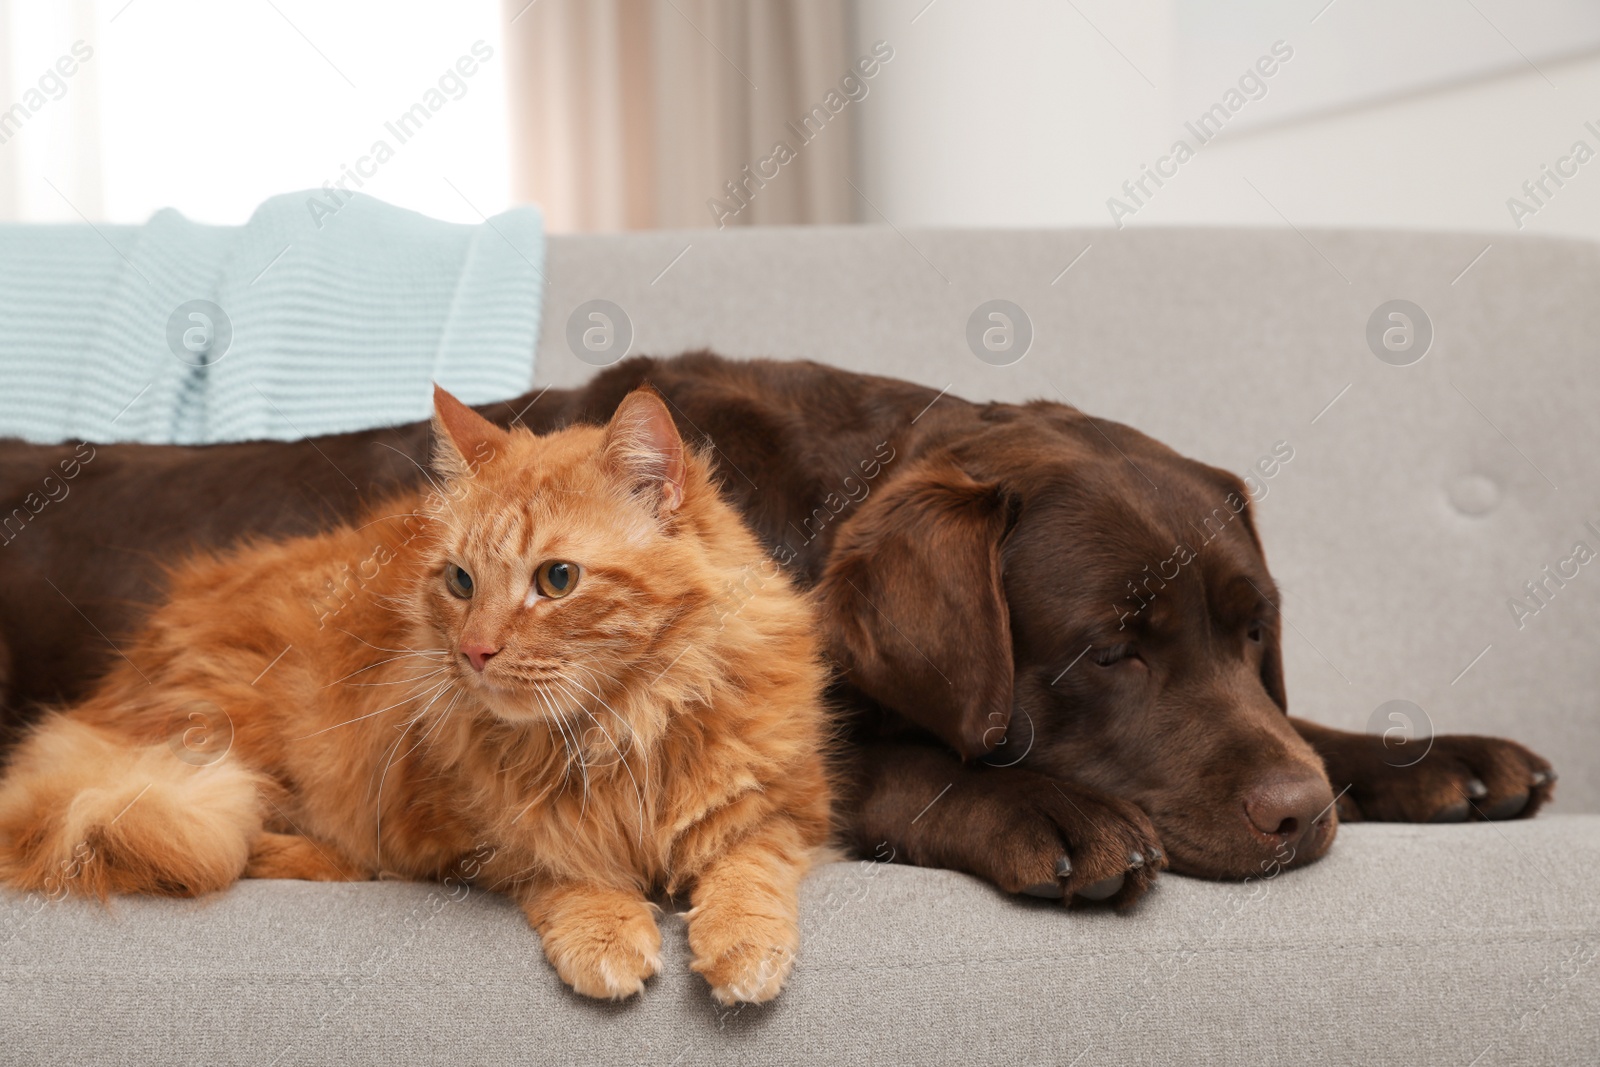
[1422, 496]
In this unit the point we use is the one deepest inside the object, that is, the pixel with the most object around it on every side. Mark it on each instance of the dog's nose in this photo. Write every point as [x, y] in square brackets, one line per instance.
[1287, 803]
[478, 654]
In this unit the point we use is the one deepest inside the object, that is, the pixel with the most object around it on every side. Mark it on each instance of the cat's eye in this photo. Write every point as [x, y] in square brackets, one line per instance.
[556, 578]
[459, 581]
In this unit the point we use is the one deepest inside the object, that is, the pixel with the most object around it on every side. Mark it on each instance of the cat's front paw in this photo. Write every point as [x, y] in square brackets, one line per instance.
[746, 958]
[604, 946]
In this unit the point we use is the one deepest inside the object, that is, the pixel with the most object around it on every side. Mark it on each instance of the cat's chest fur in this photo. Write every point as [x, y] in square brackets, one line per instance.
[544, 805]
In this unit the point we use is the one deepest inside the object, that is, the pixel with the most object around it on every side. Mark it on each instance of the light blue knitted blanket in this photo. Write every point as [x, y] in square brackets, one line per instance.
[288, 326]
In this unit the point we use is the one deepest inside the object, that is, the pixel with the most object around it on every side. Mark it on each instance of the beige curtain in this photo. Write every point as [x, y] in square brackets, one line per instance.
[633, 114]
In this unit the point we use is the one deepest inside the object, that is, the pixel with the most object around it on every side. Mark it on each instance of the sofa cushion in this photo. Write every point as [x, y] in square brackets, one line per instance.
[1406, 944]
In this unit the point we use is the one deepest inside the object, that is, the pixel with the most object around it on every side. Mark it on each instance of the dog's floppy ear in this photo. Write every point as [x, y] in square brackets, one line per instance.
[1272, 673]
[914, 603]
[1272, 655]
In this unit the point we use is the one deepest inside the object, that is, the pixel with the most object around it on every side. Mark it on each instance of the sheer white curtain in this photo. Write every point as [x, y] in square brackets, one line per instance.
[113, 109]
[49, 111]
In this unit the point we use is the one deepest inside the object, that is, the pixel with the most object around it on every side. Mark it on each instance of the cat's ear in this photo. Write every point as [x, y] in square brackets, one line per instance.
[462, 439]
[642, 444]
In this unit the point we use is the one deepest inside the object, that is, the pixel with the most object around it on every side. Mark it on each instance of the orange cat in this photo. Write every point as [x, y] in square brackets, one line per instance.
[571, 667]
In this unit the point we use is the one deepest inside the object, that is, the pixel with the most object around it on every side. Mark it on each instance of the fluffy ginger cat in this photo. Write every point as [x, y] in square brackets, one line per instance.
[572, 661]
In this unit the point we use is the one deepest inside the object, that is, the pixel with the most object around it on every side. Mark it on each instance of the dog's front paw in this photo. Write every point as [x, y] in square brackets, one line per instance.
[1028, 833]
[745, 957]
[1459, 777]
[603, 944]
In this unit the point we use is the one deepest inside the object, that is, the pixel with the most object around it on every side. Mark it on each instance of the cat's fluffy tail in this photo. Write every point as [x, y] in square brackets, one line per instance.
[85, 812]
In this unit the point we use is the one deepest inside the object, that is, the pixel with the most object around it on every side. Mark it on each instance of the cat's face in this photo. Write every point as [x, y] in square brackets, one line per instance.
[561, 571]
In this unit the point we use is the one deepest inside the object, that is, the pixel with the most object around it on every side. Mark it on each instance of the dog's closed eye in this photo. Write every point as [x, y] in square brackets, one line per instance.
[1114, 654]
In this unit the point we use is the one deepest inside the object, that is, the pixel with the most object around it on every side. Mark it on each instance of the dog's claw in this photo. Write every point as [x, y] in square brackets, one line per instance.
[1102, 890]
[1543, 778]
[1052, 890]
[1135, 860]
[1452, 813]
[1476, 789]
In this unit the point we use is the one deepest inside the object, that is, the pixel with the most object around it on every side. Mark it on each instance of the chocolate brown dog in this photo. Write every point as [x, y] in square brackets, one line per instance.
[1058, 638]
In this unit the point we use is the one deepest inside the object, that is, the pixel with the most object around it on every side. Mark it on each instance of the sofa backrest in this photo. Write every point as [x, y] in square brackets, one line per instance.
[1423, 496]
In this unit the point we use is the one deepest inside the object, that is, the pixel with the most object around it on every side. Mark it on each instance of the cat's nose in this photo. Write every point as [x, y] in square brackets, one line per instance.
[477, 654]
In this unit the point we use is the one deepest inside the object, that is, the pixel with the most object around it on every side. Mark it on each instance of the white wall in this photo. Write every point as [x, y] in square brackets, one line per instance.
[1034, 112]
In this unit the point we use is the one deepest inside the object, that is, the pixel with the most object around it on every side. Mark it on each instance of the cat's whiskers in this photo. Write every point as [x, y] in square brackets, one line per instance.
[579, 708]
[572, 745]
[442, 688]
[397, 651]
[443, 717]
[622, 758]
[427, 670]
[434, 673]
[587, 702]
[379, 663]
[624, 726]
[377, 806]
[438, 490]
[552, 759]
[553, 718]
[529, 805]
[598, 678]
[385, 518]
[374, 714]
[579, 754]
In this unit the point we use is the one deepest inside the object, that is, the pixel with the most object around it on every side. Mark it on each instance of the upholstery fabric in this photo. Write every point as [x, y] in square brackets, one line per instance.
[1405, 945]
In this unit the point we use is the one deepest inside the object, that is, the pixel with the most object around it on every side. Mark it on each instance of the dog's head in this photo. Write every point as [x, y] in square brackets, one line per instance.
[1103, 613]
